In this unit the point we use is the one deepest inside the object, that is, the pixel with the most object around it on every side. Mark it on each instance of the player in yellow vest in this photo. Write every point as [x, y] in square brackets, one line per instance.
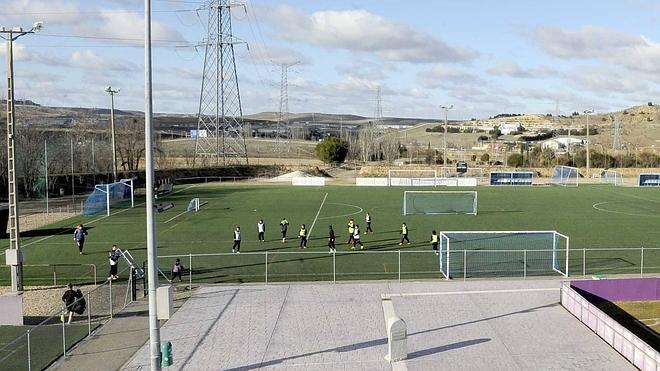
[434, 241]
[303, 237]
[351, 229]
[404, 234]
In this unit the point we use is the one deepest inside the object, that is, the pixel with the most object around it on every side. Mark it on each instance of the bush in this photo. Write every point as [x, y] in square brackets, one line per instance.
[515, 160]
[485, 158]
[332, 150]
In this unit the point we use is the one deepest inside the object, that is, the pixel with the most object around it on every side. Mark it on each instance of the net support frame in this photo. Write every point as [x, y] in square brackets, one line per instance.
[474, 201]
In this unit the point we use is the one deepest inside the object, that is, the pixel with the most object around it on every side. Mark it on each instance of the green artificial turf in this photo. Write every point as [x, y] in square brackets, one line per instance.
[593, 216]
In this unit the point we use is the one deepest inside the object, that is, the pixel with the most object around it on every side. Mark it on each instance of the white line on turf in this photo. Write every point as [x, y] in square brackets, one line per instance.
[598, 206]
[317, 215]
[345, 215]
[468, 292]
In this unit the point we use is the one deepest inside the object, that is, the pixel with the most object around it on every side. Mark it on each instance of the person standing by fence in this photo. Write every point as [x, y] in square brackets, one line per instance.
[237, 241]
[177, 269]
[331, 240]
[79, 236]
[261, 230]
[302, 233]
[114, 254]
[434, 241]
[74, 302]
[284, 226]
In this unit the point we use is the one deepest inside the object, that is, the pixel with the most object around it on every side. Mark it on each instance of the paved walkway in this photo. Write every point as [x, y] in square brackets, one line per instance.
[502, 326]
[114, 343]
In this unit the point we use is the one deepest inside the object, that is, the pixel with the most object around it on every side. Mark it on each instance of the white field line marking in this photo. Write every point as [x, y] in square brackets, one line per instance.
[345, 215]
[93, 221]
[469, 292]
[598, 207]
[317, 215]
[174, 217]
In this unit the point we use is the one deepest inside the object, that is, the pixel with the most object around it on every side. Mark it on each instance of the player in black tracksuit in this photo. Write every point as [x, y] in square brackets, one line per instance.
[331, 240]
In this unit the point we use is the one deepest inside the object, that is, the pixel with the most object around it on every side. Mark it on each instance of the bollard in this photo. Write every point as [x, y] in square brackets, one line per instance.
[166, 354]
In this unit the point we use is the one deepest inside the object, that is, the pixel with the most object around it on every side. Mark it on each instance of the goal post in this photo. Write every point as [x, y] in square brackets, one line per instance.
[565, 176]
[106, 195]
[193, 205]
[611, 177]
[439, 202]
[503, 253]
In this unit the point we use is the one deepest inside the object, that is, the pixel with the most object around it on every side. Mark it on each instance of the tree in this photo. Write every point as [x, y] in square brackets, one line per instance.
[485, 158]
[515, 160]
[332, 150]
[129, 136]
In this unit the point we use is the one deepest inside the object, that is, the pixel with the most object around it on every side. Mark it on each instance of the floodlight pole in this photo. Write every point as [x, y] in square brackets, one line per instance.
[588, 112]
[14, 231]
[112, 93]
[152, 255]
[46, 171]
[446, 109]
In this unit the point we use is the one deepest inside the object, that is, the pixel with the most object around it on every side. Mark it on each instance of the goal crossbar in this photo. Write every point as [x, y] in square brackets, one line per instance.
[452, 246]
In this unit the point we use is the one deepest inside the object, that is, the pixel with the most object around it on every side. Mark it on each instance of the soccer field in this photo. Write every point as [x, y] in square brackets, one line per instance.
[594, 217]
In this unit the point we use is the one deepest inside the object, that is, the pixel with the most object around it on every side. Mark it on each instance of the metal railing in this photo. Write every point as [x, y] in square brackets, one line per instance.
[52, 337]
[269, 266]
[57, 273]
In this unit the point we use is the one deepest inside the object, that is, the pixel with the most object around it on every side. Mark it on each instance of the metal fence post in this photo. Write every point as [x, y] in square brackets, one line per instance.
[110, 297]
[399, 266]
[525, 264]
[641, 263]
[464, 265]
[334, 267]
[54, 276]
[29, 358]
[64, 335]
[190, 271]
[584, 262]
[266, 267]
[89, 314]
[95, 274]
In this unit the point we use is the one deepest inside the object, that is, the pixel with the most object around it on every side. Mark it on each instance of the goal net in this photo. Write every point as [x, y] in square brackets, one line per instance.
[565, 176]
[611, 177]
[410, 177]
[193, 205]
[503, 253]
[439, 202]
[105, 196]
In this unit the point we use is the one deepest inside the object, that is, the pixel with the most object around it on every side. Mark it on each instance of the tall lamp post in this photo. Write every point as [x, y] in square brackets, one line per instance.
[444, 161]
[112, 93]
[13, 254]
[588, 112]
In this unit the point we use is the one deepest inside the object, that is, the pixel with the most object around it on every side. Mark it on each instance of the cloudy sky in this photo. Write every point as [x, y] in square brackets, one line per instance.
[484, 57]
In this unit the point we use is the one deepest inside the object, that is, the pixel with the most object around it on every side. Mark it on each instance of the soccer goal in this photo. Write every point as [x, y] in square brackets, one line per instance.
[565, 176]
[193, 205]
[105, 196]
[410, 178]
[503, 253]
[611, 177]
[439, 202]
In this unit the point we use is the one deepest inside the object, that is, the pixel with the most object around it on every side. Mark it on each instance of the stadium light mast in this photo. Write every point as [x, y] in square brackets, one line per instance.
[152, 254]
[112, 93]
[588, 112]
[444, 161]
[13, 254]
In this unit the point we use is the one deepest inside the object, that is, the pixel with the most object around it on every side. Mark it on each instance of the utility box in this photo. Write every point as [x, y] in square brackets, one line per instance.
[165, 300]
[11, 309]
[13, 256]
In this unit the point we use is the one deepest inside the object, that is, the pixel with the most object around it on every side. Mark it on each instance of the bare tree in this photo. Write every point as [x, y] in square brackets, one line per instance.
[129, 138]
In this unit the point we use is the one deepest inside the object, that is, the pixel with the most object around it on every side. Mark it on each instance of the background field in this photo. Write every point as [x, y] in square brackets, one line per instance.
[595, 216]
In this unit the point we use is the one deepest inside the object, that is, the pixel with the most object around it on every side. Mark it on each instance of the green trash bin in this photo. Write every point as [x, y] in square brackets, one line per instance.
[166, 354]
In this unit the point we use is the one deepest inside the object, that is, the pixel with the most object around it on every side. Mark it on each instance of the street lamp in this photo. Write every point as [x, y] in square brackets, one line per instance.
[13, 254]
[588, 112]
[112, 93]
[444, 163]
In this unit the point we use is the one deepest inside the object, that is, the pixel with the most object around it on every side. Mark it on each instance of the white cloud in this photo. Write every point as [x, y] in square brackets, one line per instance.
[444, 76]
[511, 69]
[87, 59]
[366, 69]
[361, 31]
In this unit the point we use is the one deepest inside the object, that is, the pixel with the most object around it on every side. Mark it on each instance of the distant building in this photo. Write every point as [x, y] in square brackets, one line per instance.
[507, 129]
[562, 144]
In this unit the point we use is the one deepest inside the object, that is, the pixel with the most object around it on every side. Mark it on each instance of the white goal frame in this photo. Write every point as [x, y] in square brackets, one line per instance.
[561, 182]
[105, 188]
[444, 248]
[193, 205]
[616, 179]
[474, 204]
